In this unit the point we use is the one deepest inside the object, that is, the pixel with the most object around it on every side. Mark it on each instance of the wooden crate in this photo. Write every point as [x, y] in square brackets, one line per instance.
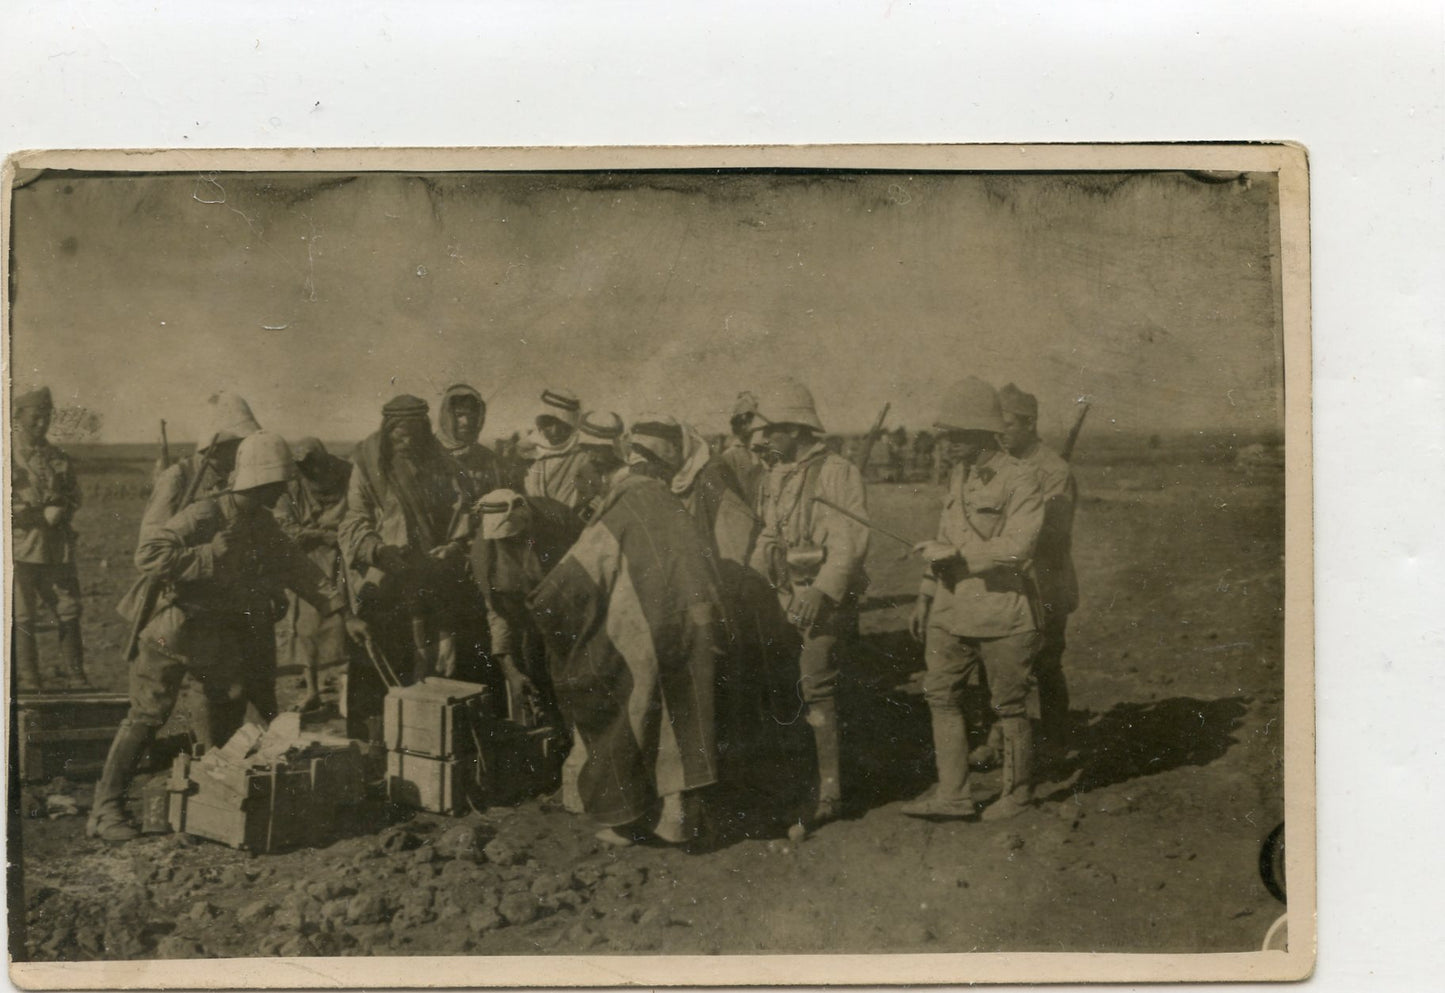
[437, 717]
[69, 734]
[525, 762]
[266, 810]
[428, 783]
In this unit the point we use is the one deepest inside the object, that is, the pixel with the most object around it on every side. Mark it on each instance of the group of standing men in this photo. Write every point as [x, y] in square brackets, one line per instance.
[626, 580]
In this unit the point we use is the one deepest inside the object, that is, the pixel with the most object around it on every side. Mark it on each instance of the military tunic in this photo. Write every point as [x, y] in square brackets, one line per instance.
[981, 612]
[793, 524]
[44, 554]
[214, 616]
[1058, 583]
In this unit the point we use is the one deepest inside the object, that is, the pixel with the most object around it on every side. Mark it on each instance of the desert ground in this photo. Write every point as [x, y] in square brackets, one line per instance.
[1146, 838]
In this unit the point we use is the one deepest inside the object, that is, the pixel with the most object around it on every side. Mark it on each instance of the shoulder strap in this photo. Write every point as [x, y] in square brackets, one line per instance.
[809, 488]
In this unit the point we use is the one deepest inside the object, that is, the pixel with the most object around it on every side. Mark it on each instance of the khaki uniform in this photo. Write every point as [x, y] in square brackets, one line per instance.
[44, 555]
[982, 613]
[796, 527]
[213, 619]
[170, 489]
[212, 622]
[1058, 583]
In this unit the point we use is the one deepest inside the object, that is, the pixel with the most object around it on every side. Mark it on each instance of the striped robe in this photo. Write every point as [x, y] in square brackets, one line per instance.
[630, 616]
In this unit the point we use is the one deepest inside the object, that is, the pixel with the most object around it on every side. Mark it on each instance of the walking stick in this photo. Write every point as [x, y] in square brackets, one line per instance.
[866, 523]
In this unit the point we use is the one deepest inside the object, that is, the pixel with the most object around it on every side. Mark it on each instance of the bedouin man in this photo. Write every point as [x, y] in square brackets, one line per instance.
[813, 556]
[228, 421]
[553, 449]
[44, 496]
[404, 539]
[460, 419]
[517, 546]
[630, 615]
[739, 454]
[1053, 559]
[222, 563]
[976, 606]
[310, 513]
[676, 454]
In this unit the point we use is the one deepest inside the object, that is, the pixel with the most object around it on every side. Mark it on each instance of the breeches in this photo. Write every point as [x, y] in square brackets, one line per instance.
[953, 661]
[54, 588]
[819, 656]
[238, 667]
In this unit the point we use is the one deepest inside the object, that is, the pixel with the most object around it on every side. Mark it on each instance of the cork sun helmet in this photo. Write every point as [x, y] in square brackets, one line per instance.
[787, 402]
[970, 405]
[263, 459]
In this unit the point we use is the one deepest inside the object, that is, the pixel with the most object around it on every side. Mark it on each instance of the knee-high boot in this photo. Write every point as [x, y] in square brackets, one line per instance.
[952, 798]
[823, 719]
[26, 655]
[108, 819]
[1018, 760]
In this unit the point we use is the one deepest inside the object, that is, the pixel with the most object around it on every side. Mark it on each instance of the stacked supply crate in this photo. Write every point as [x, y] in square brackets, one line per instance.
[438, 737]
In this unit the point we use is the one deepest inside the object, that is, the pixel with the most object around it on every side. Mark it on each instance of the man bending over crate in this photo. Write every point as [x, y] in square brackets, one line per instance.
[630, 617]
[213, 579]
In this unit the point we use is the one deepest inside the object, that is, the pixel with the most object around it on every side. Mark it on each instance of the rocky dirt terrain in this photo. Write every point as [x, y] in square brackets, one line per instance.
[1145, 838]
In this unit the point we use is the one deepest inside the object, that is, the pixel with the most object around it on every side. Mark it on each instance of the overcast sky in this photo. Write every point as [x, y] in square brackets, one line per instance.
[319, 297]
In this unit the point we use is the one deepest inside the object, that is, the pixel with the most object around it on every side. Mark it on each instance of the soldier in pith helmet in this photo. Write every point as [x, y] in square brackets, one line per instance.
[222, 562]
[228, 421]
[976, 606]
[813, 556]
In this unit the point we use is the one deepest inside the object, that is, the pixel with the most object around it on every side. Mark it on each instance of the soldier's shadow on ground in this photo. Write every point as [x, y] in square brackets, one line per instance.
[1131, 740]
[888, 749]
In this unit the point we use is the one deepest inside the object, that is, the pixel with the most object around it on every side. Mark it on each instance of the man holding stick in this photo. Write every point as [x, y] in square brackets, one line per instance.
[977, 607]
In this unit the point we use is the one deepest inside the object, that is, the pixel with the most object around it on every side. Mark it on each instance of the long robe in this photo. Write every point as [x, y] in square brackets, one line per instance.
[630, 616]
[310, 514]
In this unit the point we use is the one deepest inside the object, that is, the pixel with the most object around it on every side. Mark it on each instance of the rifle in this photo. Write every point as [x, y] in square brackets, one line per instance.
[165, 447]
[871, 438]
[1067, 452]
[151, 585]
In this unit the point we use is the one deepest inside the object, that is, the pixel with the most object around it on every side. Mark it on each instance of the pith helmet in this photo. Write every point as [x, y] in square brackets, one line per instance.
[230, 420]
[788, 402]
[262, 458]
[970, 405]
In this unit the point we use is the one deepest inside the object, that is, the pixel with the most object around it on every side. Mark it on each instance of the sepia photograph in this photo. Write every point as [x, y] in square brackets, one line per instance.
[593, 566]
